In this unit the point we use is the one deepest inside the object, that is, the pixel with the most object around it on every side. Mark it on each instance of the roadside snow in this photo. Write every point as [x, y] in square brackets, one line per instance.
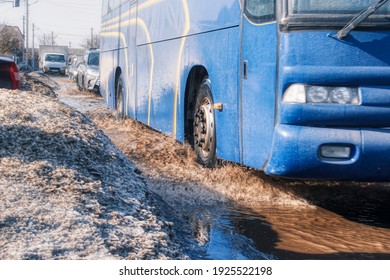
[66, 192]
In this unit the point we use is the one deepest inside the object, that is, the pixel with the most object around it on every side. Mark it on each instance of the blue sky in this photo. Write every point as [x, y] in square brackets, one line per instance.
[70, 20]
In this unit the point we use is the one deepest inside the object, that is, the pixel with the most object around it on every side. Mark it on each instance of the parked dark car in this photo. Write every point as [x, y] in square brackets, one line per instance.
[88, 72]
[9, 73]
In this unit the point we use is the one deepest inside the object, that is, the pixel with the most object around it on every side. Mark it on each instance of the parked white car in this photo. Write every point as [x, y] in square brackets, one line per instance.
[88, 77]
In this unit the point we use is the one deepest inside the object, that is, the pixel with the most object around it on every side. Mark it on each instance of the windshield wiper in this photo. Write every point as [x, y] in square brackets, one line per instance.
[359, 18]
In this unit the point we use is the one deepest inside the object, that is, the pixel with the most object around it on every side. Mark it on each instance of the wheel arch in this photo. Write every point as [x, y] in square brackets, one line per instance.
[194, 79]
[118, 73]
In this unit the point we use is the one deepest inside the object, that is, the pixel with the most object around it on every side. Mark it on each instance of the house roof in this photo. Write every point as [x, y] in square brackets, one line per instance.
[14, 29]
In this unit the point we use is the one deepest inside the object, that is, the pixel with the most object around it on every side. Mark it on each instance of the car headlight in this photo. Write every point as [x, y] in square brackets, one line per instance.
[92, 72]
[299, 93]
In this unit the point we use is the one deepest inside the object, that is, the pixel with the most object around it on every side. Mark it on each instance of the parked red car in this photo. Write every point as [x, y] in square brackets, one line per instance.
[9, 73]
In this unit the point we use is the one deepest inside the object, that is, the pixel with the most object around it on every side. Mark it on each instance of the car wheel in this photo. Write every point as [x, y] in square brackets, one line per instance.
[204, 126]
[80, 83]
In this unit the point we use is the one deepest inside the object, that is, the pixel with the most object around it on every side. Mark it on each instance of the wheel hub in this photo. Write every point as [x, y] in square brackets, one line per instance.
[204, 127]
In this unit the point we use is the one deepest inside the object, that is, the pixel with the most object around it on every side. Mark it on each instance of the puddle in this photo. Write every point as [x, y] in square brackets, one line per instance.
[285, 233]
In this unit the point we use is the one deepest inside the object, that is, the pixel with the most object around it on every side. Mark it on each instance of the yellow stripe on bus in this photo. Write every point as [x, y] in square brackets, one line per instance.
[177, 88]
[123, 39]
[142, 24]
[132, 11]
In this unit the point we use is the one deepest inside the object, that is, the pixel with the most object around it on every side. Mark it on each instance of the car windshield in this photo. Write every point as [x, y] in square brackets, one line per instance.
[55, 58]
[93, 59]
[333, 7]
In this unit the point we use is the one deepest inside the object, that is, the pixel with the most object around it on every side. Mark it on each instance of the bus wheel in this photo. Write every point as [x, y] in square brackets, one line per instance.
[120, 108]
[204, 126]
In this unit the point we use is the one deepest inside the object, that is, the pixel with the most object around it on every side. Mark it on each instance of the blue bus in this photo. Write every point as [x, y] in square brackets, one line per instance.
[298, 89]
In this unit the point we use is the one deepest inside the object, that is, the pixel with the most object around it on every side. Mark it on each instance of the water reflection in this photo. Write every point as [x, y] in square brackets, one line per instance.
[237, 233]
[215, 236]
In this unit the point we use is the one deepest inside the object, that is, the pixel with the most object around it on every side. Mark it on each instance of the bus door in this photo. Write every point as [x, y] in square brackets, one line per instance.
[258, 74]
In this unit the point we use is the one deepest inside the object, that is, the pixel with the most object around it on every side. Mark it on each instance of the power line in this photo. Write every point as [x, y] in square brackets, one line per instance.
[70, 19]
[83, 9]
[64, 34]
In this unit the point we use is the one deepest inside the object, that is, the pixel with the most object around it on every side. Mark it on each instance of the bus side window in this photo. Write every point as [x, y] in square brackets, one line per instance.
[110, 5]
[106, 7]
[260, 11]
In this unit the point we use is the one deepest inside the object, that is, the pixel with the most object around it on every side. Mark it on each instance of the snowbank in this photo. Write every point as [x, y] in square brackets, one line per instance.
[66, 192]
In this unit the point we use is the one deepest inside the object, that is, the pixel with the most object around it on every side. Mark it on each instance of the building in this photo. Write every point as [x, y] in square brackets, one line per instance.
[11, 41]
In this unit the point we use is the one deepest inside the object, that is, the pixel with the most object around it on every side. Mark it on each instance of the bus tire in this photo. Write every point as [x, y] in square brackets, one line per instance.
[119, 104]
[204, 126]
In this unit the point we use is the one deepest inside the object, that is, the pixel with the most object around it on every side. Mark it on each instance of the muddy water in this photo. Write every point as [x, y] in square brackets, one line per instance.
[234, 212]
[238, 232]
[314, 234]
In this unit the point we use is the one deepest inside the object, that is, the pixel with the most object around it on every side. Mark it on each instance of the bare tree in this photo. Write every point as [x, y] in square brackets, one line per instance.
[10, 43]
[48, 39]
[89, 43]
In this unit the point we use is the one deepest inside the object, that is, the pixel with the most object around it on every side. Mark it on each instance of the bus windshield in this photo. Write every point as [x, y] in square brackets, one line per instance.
[333, 7]
[309, 14]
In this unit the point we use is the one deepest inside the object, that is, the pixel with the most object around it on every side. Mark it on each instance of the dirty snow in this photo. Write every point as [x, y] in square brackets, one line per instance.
[66, 191]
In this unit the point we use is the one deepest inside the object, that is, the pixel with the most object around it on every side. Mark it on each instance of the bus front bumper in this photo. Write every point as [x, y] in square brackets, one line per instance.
[330, 153]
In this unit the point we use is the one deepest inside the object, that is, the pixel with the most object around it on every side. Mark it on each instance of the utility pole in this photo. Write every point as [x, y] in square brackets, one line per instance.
[33, 47]
[27, 15]
[92, 37]
[24, 38]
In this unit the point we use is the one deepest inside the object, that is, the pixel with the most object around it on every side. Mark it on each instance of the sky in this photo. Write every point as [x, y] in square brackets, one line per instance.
[69, 20]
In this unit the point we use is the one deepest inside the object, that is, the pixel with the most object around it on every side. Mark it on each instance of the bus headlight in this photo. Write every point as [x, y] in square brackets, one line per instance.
[299, 93]
[317, 94]
[342, 95]
[295, 94]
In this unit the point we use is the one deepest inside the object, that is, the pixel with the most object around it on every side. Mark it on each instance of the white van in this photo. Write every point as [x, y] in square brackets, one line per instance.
[54, 63]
